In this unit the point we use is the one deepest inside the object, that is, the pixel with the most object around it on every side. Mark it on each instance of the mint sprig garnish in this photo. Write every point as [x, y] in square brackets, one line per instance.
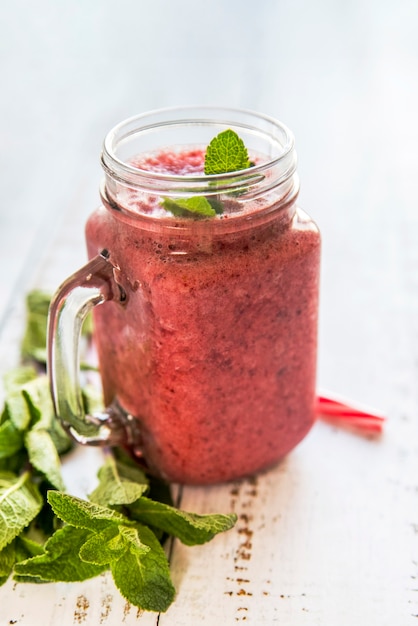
[47, 535]
[225, 153]
[197, 206]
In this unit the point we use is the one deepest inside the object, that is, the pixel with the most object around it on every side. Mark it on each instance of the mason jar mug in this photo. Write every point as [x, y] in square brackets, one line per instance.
[206, 331]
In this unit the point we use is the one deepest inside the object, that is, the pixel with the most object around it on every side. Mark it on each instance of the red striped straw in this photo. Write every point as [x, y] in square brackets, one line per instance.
[339, 412]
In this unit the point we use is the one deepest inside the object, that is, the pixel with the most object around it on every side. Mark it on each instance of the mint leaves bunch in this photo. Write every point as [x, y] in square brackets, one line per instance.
[31, 441]
[119, 529]
[225, 153]
[47, 535]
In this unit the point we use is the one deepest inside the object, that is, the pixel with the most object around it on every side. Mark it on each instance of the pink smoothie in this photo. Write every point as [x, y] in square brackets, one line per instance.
[214, 350]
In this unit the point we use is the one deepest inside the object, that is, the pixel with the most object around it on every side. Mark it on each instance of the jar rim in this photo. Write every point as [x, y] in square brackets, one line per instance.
[198, 115]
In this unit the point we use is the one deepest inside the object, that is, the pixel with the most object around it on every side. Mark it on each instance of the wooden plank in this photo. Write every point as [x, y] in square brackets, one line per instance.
[323, 538]
[94, 601]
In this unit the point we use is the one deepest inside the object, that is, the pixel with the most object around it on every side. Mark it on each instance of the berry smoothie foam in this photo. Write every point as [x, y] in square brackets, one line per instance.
[214, 349]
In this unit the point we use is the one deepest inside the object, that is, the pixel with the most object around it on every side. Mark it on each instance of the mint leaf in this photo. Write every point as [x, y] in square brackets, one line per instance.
[44, 456]
[14, 463]
[190, 528]
[26, 548]
[132, 540]
[62, 442]
[11, 439]
[144, 578]
[29, 406]
[34, 340]
[38, 397]
[33, 345]
[61, 560]
[92, 399]
[30, 403]
[216, 204]
[83, 514]
[111, 544]
[20, 502]
[18, 550]
[7, 561]
[18, 376]
[119, 484]
[197, 206]
[226, 153]
[17, 410]
[104, 547]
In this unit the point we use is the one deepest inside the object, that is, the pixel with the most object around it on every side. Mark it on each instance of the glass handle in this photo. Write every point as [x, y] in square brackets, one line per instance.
[90, 286]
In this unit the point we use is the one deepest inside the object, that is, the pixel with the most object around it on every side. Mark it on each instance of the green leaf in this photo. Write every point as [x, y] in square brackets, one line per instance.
[197, 206]
[46, 522]
[62, 442]
[190, 528]
[111, 544]
[20, 502]
[14, 463]
[160, 490]
[216, 204]
[17, 410]
[34, 340]
[31, 404]
[104, 547]
[11, 439]
[38, 397]
[226, 153]
[87, 329]
[18, 550]
[92, 399]
[61, 561]
[44, 457]
[17, 377]
[132, 539]
[7, 561]
[144, 578]
[83, 514]
[119, 484]
[26, 548]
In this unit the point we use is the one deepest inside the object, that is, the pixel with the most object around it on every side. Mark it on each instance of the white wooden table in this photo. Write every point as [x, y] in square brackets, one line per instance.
[330, 535]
